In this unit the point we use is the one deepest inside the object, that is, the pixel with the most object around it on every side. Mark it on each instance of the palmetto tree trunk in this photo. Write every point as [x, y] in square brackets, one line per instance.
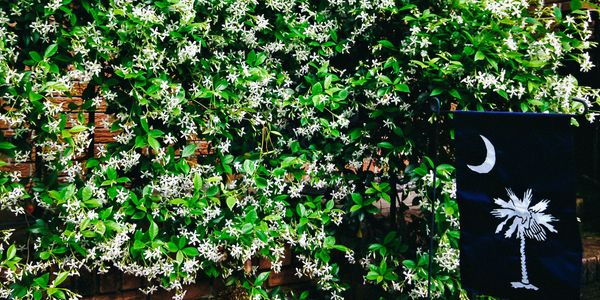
[524, 283]
[524, 278]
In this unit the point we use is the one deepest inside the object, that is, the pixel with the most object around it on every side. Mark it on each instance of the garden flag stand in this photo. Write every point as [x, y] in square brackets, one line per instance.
[516, 194]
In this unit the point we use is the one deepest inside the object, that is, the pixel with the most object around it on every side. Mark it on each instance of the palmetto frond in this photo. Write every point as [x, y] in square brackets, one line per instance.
[517, 226]
[504, 204]
[527, 221]
[527, 198]
[540, 206]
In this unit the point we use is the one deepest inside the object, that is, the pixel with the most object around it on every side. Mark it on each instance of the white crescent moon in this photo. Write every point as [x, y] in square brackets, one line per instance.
[490, 158]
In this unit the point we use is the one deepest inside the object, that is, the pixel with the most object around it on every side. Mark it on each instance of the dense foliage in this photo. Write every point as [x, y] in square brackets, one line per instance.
[316, 112]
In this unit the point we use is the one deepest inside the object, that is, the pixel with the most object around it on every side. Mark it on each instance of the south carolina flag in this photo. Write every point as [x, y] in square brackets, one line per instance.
[516, 194]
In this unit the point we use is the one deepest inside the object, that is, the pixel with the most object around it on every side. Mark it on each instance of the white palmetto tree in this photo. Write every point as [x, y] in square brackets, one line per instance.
[527, 222]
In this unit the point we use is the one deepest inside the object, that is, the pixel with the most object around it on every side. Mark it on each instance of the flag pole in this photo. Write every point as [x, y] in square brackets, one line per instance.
[435, 107]
[585, 105]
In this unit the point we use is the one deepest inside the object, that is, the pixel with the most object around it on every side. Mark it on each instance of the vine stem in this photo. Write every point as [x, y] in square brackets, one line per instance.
[436, 110]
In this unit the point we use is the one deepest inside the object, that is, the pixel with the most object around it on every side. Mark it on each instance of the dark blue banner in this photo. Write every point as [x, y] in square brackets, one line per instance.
[516, 194]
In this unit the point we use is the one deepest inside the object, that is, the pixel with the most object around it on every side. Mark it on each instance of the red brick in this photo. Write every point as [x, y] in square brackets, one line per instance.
[198, 290]
[8, 217]
[287, 256]
[102, 297]
[218, 285]
[264, 263]
[132, 295]
[103, 121]
[131, 282]
[85, 283]
[26, 169]
[109, 282]
[65, 101]
[286, 276]
[102, 135]
[589, 268]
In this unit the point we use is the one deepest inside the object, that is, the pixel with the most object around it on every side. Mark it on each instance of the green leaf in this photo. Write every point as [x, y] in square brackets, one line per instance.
[197, 182]
[357, 198]
[153, 230]
[328, 81]
[261, 278]
[557, 12]
[11, 252]
[343, 94]
[455, 94]
[144, 123]
[260, 182]
[536, 102]
[468, 50]
[251, 57]
[172, 247]
[329, 205]
[111, 173]
[231, 201]
[301, 210]
[155, 133]
[188, 150]
[304, 295]
[402, 88]
[35, 56]
[7, 145]
[409, 264]
[385, 145]
[503, 94]
[387, 44]
[212, 191]
[385, 79]
[51, 50]
[317, 88]
[372, 275]
[479, 55]
[123, 180]
[92, 163]
[44, 255]
[37, 295]
[35, 96]
[191, 251]
[436, 92]
[249, 167]
[227, 159]
[153, 143]
[576, 4]
[86, 193]
[260, 58]
[77, 129]
[60, 278]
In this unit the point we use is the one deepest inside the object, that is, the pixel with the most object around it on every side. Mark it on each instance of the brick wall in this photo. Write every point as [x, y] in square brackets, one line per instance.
[115, 285]
[590, 277]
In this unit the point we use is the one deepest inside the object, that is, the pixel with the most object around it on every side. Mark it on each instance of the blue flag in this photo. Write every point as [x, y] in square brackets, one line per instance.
[516, 195]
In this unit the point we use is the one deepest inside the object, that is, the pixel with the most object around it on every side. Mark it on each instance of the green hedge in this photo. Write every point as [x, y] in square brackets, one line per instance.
[299, 100]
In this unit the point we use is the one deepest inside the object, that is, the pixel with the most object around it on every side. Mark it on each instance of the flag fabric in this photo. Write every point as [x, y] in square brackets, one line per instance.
[516, 194]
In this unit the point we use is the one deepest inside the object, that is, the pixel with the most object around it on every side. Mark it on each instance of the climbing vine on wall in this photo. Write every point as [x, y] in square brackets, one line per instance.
[309, 115]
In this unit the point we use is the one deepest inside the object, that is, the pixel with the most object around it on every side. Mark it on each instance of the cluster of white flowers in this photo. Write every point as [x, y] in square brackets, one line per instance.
[446, 256]
[504, 9]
